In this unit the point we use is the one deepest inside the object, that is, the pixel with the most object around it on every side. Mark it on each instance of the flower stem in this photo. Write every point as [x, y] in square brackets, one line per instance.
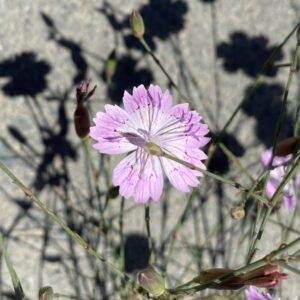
[19, 293]
[150, 242]
[284, 101]
[270, 258]
[273, 202]
[75, 237]
[157, 61]
[216, 177]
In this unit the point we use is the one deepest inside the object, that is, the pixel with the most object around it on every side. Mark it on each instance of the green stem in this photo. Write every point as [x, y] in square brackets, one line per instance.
[19, 293]
[215, 176]
[235, 160]
[76, 238]
[121, 222]
[95, 175]
[157, 61]
[284, 101]
[150, 242]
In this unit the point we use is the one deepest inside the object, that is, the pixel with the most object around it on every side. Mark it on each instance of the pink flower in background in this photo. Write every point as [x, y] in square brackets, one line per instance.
[253, 294]
[281, 168]
[149, 117]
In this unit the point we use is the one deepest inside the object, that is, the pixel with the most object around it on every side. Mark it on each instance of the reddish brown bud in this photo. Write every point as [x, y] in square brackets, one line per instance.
[287, 146]
[81, 114]
[82, 121]
[267, 276]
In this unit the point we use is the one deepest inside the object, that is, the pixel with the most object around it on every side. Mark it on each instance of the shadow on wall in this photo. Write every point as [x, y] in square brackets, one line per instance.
[26, 75]
[247, 54]
[264, 105]
[126, 76]
[136, 252]
[220, 162]
[74, 49]
[161, 18]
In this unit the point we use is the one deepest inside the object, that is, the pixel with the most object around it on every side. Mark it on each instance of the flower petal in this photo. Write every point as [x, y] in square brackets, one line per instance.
[181, 177]
[140, 176]
[252, 294]
[107, 134]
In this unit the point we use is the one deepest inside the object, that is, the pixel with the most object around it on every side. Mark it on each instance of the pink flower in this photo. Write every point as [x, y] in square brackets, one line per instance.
[281, 168]
[148, 116]
[253, 294]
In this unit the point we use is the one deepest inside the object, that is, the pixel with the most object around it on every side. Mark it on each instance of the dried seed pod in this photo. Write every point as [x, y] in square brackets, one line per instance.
[237, 213]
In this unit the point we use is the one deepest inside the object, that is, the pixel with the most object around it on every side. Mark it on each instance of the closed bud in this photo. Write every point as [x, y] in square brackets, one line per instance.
[237, 213]
[111, 65]
[137, 24]
[267, 276]
[46, 293]
[81, 114]
[287, 146]
[82, 121]
[152, 282]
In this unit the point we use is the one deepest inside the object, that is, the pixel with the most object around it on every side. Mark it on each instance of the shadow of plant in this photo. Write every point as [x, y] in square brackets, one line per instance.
[126, 76]
[247, 54]
[26, 75]
[220, 162]
[264, 105]
[136, 252]
[161, 18]
[75, 50]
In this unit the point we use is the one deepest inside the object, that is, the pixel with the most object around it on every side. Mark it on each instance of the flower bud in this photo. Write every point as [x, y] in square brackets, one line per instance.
[82, 121]
[267, 276]
[81, 114]
[237, 213]
[137, 24]
[286, 146]
[110, 65]
[46, 293]
[152, 282]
